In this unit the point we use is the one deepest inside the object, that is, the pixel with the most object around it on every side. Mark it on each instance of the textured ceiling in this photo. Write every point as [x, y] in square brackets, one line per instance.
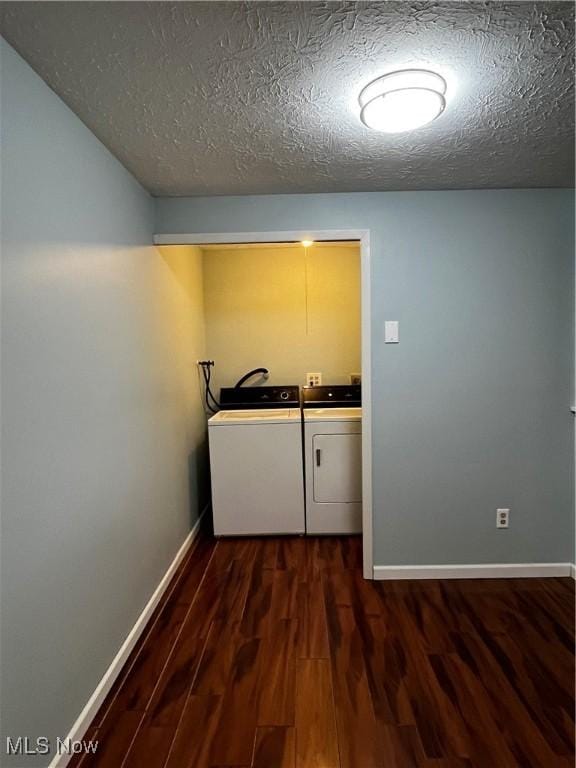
[238, 98]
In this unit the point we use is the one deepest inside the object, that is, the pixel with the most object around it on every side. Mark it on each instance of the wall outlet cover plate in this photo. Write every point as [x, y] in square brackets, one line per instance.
[314, 379]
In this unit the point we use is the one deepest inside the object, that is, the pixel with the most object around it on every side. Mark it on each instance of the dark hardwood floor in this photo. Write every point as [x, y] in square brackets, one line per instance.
[275, 653]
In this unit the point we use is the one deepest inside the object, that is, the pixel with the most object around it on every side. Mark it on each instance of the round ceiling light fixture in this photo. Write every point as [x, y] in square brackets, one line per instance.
[403, 100]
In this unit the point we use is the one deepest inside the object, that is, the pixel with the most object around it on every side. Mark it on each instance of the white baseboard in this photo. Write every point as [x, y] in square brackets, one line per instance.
[573, 571]
[95, 701]
[490, 571]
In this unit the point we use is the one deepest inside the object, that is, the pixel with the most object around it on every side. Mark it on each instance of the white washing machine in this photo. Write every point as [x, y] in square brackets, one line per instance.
[333, 459]
[256, 463]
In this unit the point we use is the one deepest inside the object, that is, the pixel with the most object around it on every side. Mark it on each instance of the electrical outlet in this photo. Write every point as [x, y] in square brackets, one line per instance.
[314, 379]
[502, 518]
[355, 378]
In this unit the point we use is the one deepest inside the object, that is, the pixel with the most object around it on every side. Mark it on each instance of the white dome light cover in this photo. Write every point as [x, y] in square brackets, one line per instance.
[402, 100]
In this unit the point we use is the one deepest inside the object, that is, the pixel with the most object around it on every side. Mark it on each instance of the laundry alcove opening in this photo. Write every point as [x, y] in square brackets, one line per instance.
[292, 311]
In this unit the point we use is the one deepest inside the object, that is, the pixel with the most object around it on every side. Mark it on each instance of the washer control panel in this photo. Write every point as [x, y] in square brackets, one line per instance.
[260, 397]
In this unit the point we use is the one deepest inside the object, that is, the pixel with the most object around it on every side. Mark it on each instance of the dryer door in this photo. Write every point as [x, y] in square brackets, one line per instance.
[338, 468]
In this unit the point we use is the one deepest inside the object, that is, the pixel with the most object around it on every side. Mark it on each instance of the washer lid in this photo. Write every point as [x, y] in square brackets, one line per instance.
[255, 416]
[333, 414]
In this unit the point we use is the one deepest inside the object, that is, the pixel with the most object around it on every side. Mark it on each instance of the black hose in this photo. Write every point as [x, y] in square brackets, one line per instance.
[207, 375]
[206, 400]
[249, 375]
[209, 391]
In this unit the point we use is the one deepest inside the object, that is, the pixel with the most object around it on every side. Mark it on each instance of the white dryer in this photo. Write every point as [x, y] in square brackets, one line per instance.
[333, 459]
[256, 463]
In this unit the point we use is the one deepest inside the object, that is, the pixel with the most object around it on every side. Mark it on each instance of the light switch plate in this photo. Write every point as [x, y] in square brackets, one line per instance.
[391, 332]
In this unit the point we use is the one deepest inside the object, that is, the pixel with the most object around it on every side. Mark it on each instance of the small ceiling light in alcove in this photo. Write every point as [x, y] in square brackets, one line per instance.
[307, 243]
[403, 100]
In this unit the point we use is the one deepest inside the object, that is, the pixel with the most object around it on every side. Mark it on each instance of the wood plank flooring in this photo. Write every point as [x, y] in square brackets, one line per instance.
[275, 653]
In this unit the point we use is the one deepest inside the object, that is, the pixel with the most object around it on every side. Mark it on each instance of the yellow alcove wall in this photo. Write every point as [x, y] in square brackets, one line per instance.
[290, 309]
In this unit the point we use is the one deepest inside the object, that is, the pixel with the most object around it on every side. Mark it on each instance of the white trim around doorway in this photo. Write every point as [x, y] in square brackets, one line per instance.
[362, 235]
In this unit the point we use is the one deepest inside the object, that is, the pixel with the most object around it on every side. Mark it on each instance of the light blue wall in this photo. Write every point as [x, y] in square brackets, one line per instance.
[96, 410]
[471, 411]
